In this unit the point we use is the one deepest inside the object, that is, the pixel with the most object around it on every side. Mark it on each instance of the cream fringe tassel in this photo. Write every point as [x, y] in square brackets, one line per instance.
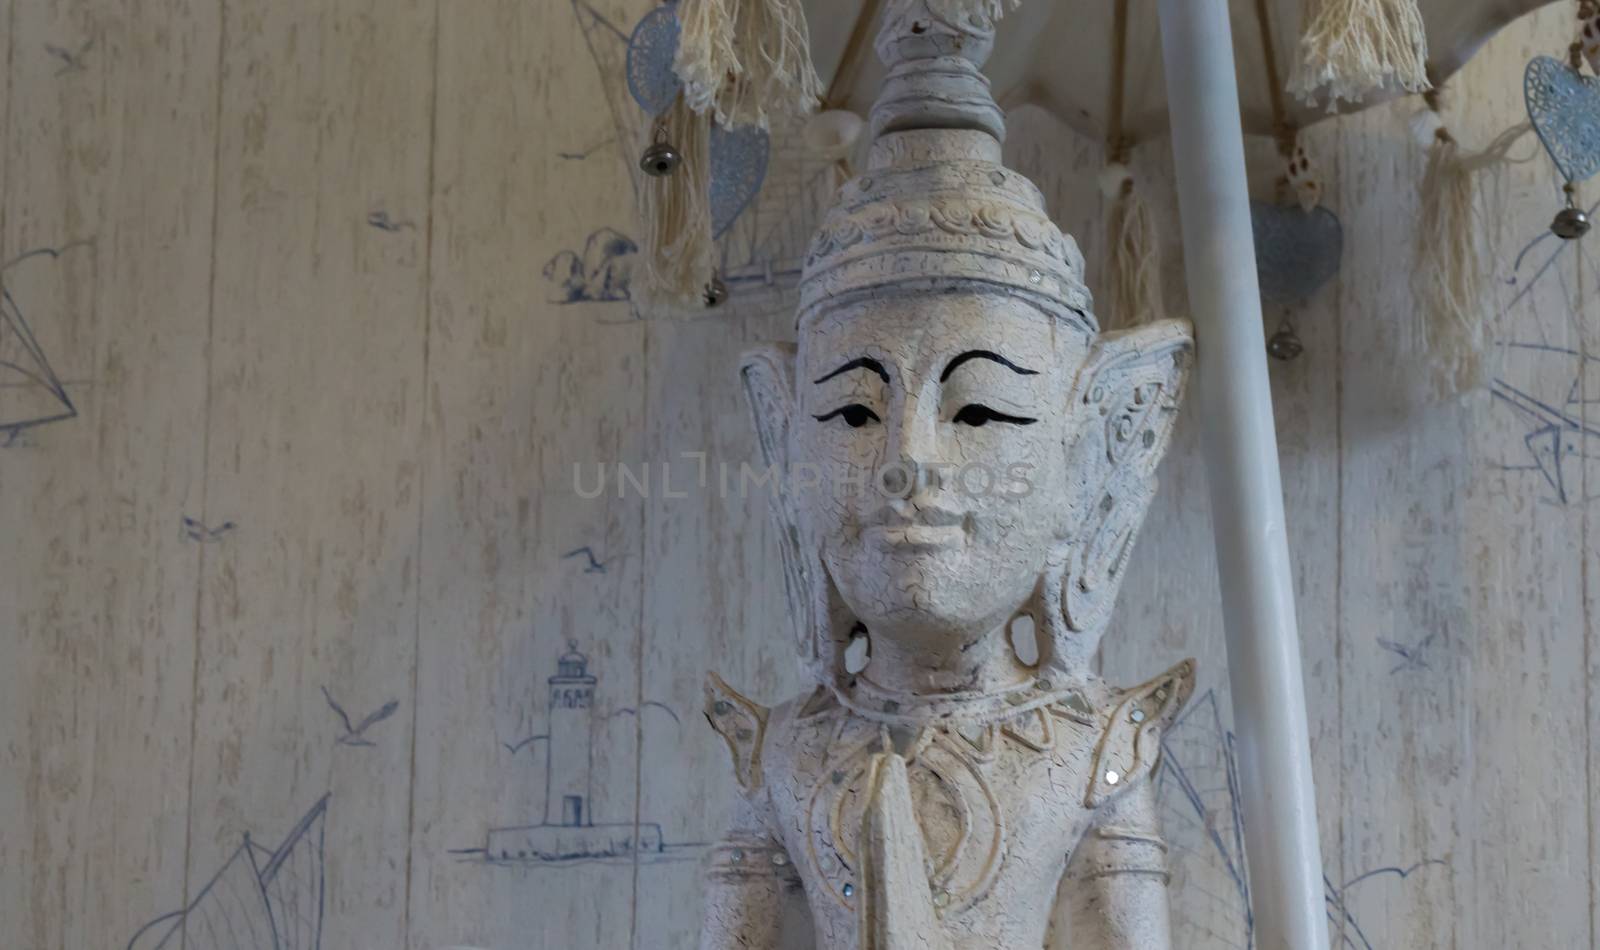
[746, 60]
[679, 256]
[1450, 284]
[1350, 48]
[1134, 263]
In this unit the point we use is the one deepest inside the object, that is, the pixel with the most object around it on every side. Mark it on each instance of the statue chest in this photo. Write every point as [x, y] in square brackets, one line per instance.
[999, 808]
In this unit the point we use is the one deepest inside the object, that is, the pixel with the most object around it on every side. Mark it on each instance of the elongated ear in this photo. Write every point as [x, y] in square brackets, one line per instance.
[1126, 398]
[767, 374]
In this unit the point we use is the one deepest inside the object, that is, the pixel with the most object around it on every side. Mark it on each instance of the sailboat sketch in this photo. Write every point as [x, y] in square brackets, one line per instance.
[1202, 818]
[1546, 378]
[31, 394]
[261, 899]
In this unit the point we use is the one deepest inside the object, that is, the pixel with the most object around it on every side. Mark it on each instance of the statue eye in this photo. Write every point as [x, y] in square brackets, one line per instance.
[855, 415]
[976, 414]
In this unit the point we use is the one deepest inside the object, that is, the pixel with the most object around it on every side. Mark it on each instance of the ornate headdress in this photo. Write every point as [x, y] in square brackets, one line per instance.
[936, 206]
[936, 210]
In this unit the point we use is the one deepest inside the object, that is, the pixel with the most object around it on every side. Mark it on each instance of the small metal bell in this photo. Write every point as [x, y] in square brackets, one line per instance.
[660, 160]
[715, 293]
[1570, 224]
[1285, 344]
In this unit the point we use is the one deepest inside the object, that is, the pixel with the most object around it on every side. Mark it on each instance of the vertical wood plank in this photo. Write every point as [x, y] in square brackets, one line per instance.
[1460, 586]
[309, 522]
[108, 160]
[529, 376]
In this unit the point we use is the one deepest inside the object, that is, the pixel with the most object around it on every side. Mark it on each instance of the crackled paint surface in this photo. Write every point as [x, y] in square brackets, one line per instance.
[338, 294]
[980, 456]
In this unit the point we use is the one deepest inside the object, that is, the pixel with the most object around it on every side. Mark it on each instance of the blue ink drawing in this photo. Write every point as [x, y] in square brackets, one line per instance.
[595, 565]
[196, 530]
[579, 155]
[31, 394]
[569, 833]
[1545, 380]
[1199, 793]
[600, 273]
[356, 735]
[1412, 657]
[261, 899]
[380, 219]
[72, 61]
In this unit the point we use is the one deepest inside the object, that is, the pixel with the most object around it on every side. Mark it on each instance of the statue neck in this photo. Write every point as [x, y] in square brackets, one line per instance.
[916, 681]
[944, 667]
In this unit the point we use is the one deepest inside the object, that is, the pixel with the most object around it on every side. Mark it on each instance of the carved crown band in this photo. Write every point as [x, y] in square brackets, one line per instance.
[955, 217]
[946, 238]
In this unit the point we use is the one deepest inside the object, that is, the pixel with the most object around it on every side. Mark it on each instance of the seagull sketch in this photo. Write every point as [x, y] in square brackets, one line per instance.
[595, 566]
[630, 711]
[1411, 657]
[356, 734]
[582, 154]
[196, 530]
[380, 219]
[514, 748]
[73, 61]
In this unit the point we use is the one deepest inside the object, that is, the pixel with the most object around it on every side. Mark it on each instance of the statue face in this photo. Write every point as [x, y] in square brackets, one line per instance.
[939, 426]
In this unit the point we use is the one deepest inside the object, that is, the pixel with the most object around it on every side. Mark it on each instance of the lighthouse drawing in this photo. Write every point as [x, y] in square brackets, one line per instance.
[570, 831]
[569, 750]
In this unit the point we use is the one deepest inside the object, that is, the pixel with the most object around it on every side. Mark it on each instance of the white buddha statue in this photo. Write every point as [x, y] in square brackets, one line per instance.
[985, 460]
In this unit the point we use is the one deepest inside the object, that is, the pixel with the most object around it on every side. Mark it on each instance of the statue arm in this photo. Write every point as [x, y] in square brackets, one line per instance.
[1116, 887]
[1114, 894]
[750, 884]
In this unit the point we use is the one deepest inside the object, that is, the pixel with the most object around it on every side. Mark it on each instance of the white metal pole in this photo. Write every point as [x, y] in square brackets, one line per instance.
[1235, 409]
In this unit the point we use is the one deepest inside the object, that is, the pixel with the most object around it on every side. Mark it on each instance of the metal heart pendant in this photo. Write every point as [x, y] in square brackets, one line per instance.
[1297, 251]
[1565, 109]
[738, 167]
[651, 48]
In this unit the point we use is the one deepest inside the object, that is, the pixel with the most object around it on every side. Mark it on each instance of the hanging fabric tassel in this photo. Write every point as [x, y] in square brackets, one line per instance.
[705, 58]
[1350, 48]
[1450, 279]
[676, 212]
[745, 61]
[1133, 257]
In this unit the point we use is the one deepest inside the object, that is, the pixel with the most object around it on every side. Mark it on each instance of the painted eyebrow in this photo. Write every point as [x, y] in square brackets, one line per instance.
[950, 367]
[863, 362]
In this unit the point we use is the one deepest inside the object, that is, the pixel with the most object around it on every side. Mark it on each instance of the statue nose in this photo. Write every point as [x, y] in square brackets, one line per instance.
[917, 449]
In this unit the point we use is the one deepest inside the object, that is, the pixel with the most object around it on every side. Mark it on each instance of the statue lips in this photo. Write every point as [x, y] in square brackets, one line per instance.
[903, 526]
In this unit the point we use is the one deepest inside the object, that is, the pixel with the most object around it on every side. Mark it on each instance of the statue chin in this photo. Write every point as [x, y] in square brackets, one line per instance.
[936, 599]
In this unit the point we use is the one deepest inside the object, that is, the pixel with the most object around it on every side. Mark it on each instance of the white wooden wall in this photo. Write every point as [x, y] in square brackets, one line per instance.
[328, 405]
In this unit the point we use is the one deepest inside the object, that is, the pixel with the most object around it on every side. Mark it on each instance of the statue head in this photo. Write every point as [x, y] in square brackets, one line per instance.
[976, 450]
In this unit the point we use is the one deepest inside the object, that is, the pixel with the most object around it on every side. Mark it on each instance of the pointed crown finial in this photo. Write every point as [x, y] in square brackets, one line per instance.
[936, 206]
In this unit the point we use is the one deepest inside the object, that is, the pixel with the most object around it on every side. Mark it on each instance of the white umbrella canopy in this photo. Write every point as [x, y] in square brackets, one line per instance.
[1059, 55]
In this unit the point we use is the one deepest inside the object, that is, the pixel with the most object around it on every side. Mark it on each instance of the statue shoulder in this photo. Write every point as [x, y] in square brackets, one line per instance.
[751, 729]
[742, 724]
[1130, 743]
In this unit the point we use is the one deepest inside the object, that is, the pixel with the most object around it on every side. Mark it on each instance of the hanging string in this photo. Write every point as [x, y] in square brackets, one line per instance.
[1451, 277]
[1133, 259]
[1351, 48]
